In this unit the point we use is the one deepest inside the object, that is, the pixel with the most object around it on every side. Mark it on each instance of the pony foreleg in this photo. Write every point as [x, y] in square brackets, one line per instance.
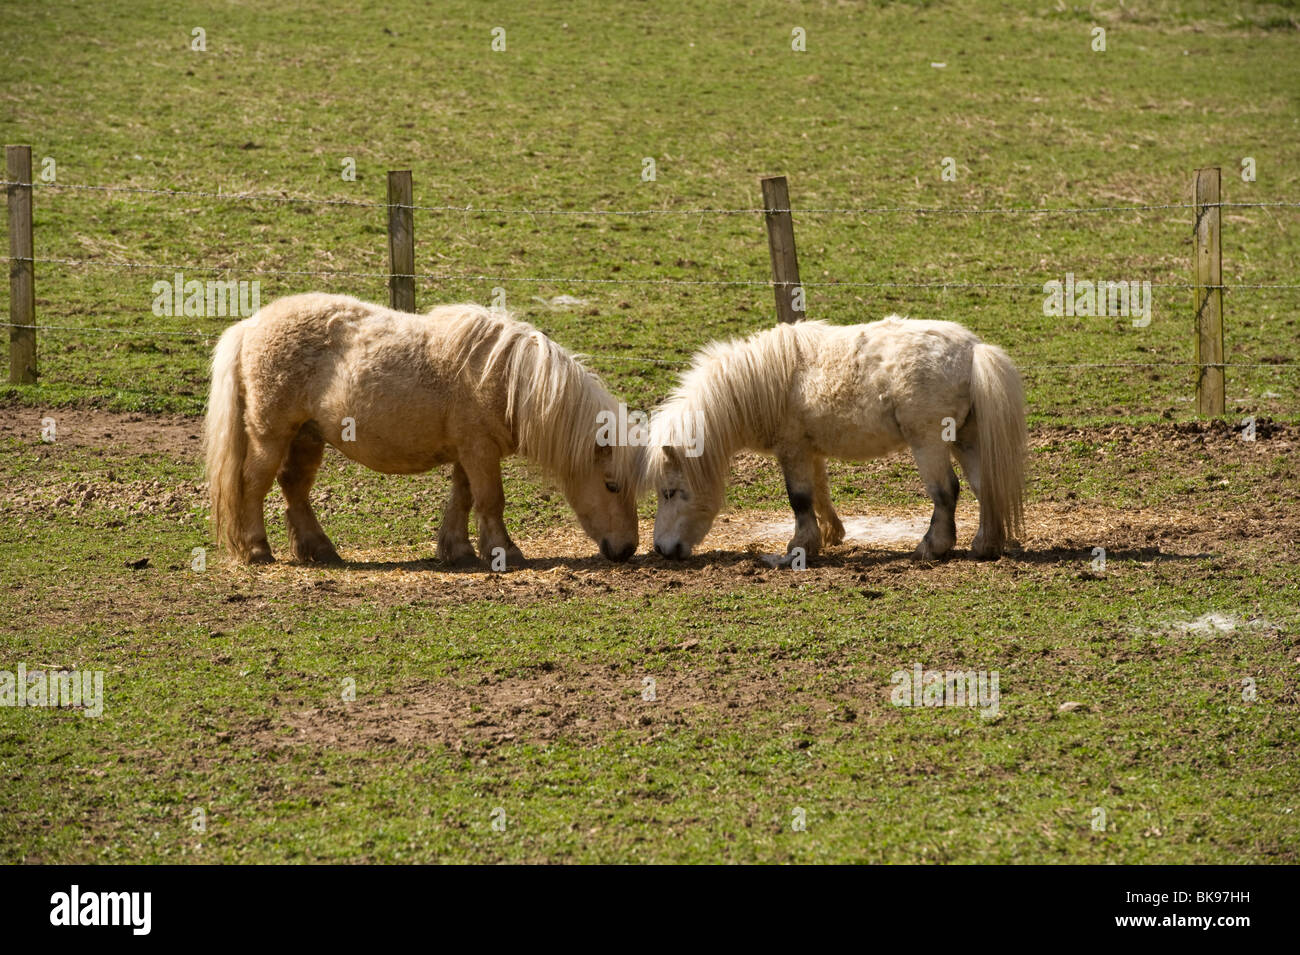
[453, 537]
[831, 526]
[934, 460]
[484, 472]
[800, 488]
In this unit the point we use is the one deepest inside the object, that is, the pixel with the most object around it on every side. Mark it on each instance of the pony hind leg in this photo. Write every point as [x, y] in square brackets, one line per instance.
[261, 464]
[988, 541]
[934, 461]
[453, 536]
[831, 527]
[307, 539]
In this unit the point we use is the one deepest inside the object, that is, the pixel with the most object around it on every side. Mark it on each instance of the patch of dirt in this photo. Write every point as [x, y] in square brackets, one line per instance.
[33, 504]
[1125, 450]
[175, 435]
[581, 704]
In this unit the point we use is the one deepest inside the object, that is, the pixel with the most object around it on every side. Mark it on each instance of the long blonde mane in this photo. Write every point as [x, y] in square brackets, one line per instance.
[734, 395]
[551, 399]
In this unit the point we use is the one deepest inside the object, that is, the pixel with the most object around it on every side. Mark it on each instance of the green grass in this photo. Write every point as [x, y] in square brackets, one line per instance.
[563, 118]
[207, 674]
[1183, 768]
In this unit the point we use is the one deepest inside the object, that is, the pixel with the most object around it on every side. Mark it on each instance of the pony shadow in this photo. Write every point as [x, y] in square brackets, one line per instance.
[1069, 555]
[432, 564]
[857, 558]
[1047, 556]
[720, 559]
[861, 558]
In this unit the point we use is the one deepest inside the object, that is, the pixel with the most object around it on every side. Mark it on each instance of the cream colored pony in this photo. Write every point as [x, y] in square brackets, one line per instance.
[810, 391]
[403, 393]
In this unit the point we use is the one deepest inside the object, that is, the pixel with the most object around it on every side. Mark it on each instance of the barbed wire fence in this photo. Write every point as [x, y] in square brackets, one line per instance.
[788, 289]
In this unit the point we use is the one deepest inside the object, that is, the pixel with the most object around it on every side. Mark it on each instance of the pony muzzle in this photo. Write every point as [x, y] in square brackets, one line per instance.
[676, 551]
[617, 554]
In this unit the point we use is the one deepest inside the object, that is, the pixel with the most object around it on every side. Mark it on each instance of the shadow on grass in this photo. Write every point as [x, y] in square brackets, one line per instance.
[855, 559]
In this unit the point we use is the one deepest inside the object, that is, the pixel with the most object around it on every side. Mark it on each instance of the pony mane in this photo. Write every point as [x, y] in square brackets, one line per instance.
[552, 399]
[734, 395]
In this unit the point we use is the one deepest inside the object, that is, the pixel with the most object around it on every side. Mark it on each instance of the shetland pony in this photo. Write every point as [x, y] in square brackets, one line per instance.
[810, 391]
[402, 393]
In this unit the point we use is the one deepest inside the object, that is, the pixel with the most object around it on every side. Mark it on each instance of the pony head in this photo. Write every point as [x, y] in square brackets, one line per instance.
[603, 496]
[730, 398]
[688, 477]
[554, 405]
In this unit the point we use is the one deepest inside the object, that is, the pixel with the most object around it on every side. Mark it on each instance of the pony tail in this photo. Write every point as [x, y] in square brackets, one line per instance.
[225, 441]
[999, 402]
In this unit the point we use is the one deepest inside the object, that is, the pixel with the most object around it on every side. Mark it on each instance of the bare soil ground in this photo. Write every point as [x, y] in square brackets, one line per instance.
[582, 703]
[176, 435]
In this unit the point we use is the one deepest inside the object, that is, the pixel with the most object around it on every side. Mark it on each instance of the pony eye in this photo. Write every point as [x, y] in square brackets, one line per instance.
[611, 487]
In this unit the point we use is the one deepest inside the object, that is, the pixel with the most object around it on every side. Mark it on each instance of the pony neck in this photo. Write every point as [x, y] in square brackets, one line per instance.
[740, 389]
[553, 404]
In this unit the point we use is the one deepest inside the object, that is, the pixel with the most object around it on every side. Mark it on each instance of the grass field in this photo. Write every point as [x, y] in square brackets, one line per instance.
[503, 717]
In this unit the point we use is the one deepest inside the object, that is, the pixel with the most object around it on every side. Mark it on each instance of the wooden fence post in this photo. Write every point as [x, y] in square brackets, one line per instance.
[22, 270]
[790, 306]
[1208, 266]
[401, 241]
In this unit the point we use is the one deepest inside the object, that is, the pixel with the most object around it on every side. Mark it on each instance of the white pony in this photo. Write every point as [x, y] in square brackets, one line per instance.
[810, 391]
[402, 393]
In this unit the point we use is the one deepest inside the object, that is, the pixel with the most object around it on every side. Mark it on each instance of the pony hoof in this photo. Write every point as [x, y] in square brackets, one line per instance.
[514, 558]
[982, 548]
[925, 554]
[325, 554]
[261, 555]
[320, 553]
[789, 560]
[457, 556]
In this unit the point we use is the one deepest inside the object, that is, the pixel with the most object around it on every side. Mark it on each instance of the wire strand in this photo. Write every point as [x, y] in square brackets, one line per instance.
[681, 364]
[580, 280]
[526, 211]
